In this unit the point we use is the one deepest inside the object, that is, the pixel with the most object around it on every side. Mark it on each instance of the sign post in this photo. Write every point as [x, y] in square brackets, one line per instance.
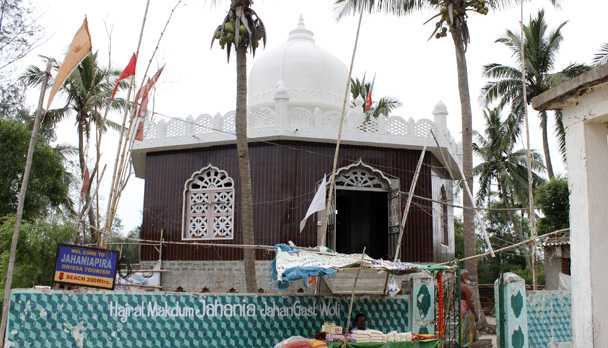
[83, 266]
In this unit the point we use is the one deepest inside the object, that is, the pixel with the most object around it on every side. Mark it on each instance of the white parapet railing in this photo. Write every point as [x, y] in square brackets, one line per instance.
[295, 122]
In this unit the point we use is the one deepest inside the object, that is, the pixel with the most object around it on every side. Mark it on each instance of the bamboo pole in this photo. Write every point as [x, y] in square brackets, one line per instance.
[8, 282]
[406, 211]
[109, 217]
[486, 238]
[123, 178]
[531, 214]
[352, 294]
[322, 233]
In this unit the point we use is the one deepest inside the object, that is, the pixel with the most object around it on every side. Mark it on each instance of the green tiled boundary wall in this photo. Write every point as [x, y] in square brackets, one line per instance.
[548, 317]
[127, 319]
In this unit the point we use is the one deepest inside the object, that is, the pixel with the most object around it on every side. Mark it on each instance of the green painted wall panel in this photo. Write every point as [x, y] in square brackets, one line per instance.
[123, 319]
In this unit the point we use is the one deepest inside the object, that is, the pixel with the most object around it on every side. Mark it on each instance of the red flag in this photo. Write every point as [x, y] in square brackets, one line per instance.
[368, 98]
[86, 182]
[368, 101]
[139, 135]
[141, 98]
[128, 71]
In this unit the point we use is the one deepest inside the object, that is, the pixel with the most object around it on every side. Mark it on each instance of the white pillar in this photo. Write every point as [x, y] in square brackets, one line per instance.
[281, 102]
[588, 182]
[440, 117]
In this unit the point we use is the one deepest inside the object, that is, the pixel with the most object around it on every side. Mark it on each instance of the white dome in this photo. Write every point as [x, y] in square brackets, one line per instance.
[310, 75]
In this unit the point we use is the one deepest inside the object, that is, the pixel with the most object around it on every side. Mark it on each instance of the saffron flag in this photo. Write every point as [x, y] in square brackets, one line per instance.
[86, 182]
[129, 70]
[317, 204]
[141, 98]
[79, 49]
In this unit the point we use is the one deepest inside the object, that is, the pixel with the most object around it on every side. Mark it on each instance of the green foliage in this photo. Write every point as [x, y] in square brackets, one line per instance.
[501, 163]
[49, 183]
[241, 28]
[542, 47]
[129, 251]
[382, 107]
[88, 93]
[458, 238]
[507, 228]
[36, 251]
[11, 100]
[449, 15]
[553, 199]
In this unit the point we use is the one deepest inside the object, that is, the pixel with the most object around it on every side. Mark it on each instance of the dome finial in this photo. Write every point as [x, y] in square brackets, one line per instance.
[301, 22]
[300, 32]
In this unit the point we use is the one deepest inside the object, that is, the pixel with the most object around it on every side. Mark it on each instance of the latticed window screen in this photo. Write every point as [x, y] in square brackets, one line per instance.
[209, 205]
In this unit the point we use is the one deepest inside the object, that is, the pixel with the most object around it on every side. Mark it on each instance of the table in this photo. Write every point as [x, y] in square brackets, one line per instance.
[417, 344]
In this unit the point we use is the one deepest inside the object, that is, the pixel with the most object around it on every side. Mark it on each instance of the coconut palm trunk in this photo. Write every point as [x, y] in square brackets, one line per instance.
[546, 151]
[467, 164]
[244, 169]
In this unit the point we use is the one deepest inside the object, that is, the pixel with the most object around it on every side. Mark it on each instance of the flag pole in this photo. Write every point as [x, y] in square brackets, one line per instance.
[531, 214]
[109, 217]
[119, 181]
[322, 233]
[8, 282]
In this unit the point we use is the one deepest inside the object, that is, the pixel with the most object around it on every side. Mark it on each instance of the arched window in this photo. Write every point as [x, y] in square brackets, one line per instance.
[444, 217]
[208, 208]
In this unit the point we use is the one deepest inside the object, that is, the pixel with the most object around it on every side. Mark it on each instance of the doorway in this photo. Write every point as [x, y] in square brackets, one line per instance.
[362, 221]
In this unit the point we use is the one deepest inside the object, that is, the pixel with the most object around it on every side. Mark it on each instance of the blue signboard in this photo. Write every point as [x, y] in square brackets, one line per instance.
[85, 266]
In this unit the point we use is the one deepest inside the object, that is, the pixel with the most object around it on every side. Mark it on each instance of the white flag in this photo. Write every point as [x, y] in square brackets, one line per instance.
[317, 204]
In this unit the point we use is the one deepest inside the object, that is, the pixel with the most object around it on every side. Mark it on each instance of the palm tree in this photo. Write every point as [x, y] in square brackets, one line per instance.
[383, 107]
[243, 29]
[88, 93]
[506, 167]
[602, 56]
[501, 164]
[541, 47]
[450, 15]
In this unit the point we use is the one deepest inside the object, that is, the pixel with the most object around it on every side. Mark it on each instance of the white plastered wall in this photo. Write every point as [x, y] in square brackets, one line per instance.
[441, 250]
[587, 152]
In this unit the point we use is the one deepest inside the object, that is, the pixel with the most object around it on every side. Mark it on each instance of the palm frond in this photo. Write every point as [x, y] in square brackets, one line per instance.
[67, 151]
[32, 76]
[500, 71]
[110, 124]
[560, 131]
[54, 116]
[385, 106]
[394, 7]
[601, 57]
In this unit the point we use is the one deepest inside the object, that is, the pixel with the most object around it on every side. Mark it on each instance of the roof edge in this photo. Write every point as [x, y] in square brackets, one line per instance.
[556, 97]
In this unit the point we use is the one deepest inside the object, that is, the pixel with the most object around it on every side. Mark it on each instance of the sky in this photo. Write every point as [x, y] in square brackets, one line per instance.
[408, 66]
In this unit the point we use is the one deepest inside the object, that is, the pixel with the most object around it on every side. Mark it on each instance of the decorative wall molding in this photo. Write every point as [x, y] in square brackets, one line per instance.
[361, 176]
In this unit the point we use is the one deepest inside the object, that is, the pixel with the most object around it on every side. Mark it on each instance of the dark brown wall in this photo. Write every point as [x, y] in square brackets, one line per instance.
[284, 181]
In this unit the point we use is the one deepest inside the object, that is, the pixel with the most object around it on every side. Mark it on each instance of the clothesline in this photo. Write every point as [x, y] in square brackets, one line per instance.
[512, 246]
[273, 248]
